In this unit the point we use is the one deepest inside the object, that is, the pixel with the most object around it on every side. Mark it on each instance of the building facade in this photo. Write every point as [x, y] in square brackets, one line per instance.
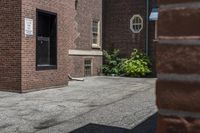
[35, 40]
[126, 26]
[44, 41]
[86, 53]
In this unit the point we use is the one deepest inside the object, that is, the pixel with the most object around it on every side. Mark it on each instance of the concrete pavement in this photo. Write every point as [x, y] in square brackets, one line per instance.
[116, 102]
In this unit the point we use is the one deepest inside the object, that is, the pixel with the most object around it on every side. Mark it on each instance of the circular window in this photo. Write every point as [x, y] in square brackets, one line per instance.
[136, 24]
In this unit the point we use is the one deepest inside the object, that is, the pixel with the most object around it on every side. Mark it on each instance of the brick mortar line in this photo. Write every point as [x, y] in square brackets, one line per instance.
[180, 77]
[189, 5]
[180, 41]
[167, 112]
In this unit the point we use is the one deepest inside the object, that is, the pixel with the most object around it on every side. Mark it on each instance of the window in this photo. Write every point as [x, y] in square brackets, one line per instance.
[46, 47]
[96, 34]
[88, 67]
[136, 24]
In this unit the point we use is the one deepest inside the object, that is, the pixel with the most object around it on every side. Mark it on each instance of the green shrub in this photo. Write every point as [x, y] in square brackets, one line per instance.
[137, 66]
[111, 62]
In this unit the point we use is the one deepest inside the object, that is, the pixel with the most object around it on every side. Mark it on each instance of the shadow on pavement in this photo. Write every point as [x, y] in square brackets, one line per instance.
[147, 126]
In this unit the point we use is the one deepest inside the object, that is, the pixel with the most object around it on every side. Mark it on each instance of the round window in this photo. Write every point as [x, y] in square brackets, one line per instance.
[136, 24]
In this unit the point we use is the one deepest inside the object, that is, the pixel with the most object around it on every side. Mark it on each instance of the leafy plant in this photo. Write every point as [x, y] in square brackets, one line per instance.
[137, 66]
[111, 62]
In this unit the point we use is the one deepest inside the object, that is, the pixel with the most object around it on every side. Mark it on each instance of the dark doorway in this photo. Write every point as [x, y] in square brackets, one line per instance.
[46, 53]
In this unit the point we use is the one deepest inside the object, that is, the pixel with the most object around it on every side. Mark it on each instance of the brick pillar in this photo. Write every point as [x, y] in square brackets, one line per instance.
[178, 66]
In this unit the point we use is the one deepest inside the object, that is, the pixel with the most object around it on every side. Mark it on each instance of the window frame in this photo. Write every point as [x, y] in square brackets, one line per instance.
[47, 67]
[98, 44]
[91, 67]
[137, 23]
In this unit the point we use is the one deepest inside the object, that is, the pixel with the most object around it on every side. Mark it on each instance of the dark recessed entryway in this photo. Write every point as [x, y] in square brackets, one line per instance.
[46, 55]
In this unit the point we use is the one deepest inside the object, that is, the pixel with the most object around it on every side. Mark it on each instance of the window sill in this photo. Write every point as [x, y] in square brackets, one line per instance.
[96, 46]
[45, 67]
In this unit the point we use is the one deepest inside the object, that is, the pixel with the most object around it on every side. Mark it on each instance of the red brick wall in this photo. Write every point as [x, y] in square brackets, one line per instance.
[10, 45]
[116, 25]
[178, 55]
[87, 10]
[78, 69]
[32, 79]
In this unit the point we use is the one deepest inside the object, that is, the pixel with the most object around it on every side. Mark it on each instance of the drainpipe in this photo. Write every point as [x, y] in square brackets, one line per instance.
[147, 29]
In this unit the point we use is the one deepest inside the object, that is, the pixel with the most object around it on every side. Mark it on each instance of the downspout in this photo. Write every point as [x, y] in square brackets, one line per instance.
[147, 29]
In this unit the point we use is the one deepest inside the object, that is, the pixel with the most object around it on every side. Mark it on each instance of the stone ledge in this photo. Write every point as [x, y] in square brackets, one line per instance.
[85, 53]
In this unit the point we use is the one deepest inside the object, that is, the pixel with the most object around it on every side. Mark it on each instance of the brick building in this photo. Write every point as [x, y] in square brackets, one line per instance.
[35, 39]
[44, 41]
[126, 25]
[86, 53]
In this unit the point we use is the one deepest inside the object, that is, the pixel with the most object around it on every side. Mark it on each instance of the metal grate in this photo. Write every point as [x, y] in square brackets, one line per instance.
[88, 67]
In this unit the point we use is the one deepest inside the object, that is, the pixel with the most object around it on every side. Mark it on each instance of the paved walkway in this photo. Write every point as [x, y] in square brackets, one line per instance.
[118, 103]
